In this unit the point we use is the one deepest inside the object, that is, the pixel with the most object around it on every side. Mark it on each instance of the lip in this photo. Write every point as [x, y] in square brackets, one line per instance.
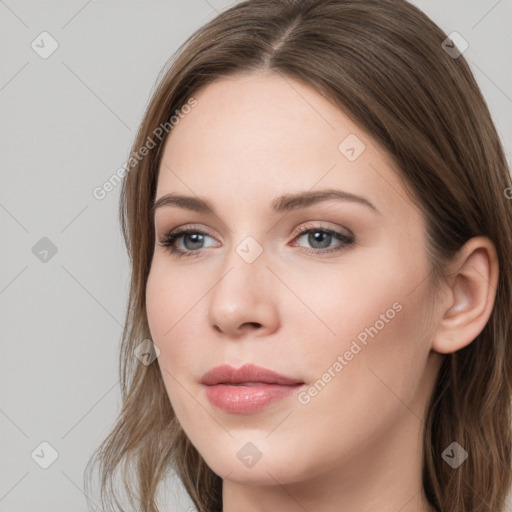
[247, 389]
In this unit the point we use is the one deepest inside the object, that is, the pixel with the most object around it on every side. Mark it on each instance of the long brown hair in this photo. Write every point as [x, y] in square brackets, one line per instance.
[383, 63]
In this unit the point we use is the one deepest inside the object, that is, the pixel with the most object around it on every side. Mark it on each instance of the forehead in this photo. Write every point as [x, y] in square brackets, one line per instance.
[261, 135]
[261, 116]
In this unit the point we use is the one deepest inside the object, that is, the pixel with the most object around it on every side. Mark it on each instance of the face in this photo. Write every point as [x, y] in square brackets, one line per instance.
[330, 292]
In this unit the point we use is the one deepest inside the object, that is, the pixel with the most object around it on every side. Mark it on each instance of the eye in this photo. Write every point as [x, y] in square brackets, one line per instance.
[192, 239]
[320, 239]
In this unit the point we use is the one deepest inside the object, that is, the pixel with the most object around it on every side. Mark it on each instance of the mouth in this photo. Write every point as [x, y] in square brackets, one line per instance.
[248, 389]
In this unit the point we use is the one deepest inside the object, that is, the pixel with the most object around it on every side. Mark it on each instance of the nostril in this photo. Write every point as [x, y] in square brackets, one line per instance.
[252, 324]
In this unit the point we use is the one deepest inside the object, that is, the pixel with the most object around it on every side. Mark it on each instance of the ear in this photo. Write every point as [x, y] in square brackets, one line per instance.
[470, 295]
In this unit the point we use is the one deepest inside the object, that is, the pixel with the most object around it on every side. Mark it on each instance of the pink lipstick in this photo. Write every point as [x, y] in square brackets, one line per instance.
[247, 389]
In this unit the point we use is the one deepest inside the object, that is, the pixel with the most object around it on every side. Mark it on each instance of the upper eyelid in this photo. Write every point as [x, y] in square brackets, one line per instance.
[312, 225]
[309, 225]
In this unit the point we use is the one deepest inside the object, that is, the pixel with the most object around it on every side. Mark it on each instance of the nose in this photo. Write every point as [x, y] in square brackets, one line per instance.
[244, 300]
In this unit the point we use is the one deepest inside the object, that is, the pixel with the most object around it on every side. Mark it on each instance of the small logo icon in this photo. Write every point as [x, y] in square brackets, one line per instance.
[249, 455]
[455, 45]
[351, 147]
[146, 352]
[455, 455]
[44, 455]
[44, 45]
[249, 249]
[44, 250]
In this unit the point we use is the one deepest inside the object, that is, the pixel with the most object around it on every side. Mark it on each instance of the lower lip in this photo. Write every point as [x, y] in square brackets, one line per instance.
[247, 399]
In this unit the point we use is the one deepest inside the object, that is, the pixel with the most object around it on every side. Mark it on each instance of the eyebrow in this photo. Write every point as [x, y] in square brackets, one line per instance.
[284, 203]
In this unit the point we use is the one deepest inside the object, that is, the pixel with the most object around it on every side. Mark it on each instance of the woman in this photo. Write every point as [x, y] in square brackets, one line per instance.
[317, 217]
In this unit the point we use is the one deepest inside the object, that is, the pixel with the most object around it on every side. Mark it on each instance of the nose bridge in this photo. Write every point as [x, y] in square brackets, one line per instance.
[245, 266]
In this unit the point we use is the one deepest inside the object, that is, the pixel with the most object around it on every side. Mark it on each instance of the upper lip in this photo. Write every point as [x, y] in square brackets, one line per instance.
[226, 374]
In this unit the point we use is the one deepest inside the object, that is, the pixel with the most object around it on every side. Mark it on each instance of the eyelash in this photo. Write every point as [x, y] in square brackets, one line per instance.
[169, 239]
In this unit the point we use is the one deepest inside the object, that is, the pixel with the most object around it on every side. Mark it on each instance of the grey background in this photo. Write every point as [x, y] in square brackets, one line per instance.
[67, 124]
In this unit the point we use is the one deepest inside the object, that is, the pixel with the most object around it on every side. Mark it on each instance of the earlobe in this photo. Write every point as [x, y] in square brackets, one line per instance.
[470, 296]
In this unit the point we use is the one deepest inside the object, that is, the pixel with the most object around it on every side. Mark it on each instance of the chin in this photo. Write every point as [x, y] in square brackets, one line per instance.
[241, 463]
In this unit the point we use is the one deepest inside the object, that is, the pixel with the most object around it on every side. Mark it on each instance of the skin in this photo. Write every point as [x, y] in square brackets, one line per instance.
[356, 445]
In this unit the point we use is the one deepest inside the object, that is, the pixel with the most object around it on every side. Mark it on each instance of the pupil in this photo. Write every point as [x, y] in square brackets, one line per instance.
[196, 240]
[313, 239]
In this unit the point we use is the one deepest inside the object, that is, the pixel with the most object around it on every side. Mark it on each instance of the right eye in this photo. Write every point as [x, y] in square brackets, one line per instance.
[192, 240]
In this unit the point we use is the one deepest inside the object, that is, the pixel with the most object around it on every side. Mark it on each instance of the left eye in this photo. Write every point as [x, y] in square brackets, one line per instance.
[320, 239]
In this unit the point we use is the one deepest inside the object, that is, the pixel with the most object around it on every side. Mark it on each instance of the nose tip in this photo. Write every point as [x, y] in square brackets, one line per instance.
[244, 301]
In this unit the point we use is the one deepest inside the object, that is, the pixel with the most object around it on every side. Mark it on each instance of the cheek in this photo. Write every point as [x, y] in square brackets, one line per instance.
[157, 305]
[379, 381]
[167, 304]
[384, 346]
[377, 324]
[170, 295]
[175, 307]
